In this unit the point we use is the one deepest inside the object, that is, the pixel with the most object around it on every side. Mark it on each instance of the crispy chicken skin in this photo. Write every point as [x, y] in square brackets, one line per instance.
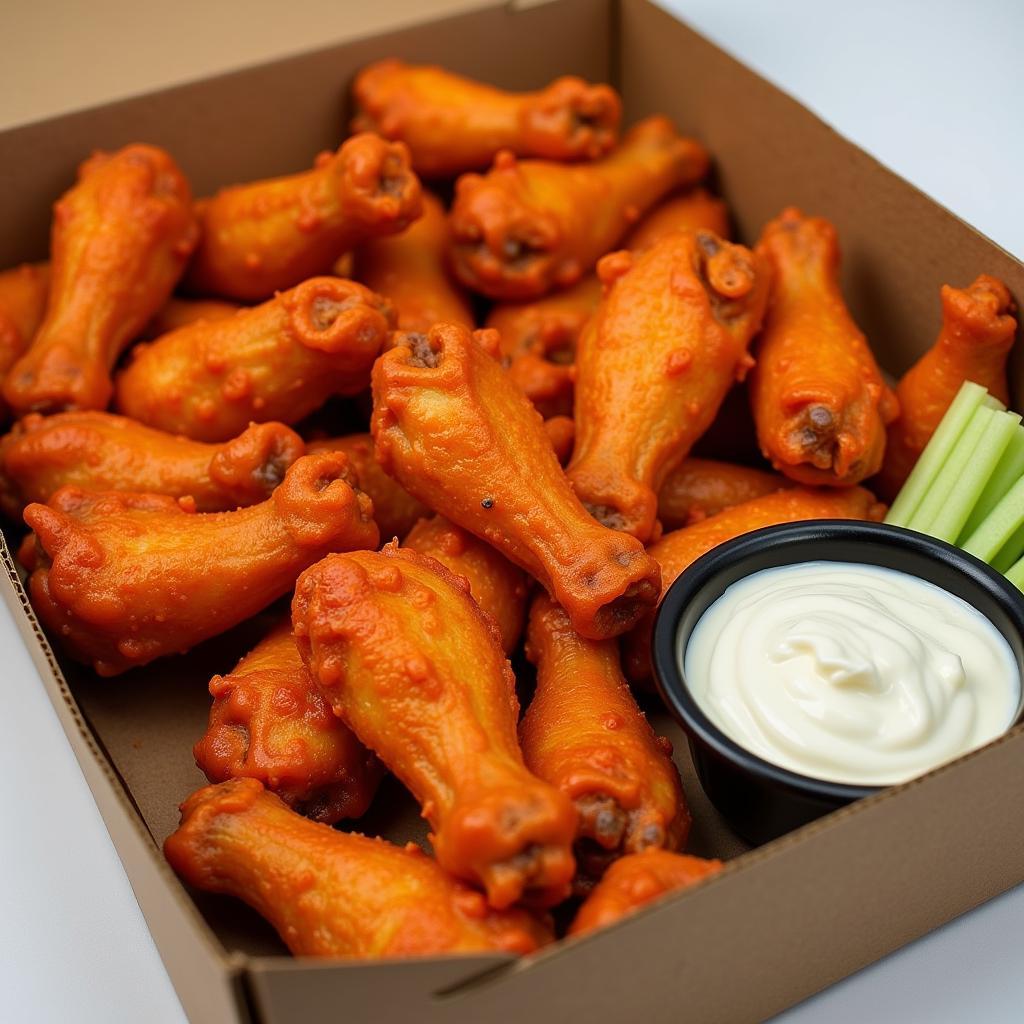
[456, 432]
[331, 893]
[278, 361]
[680, 548]
[653, 365]
[529, 226]
[410, 663]
[974, 342]
[636, 880]
[269, 722]
[119, 242]
[177, 312]
[584, 733]
[453, 124]
[410, 271]
[394, 508]
[23, 292]
[266, 236]
[498, 586]
[698, 488]
[819, 399]
[124, 578]
[561, 431]
[99, 451]
[538, 339]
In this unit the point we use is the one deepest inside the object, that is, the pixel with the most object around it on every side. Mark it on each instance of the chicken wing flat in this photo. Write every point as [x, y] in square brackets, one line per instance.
[278, 361]
[456, 432]
[819, 399]
[633, 882]
[177, 312]
[680, 548]
[23, 292]
[119, 242]
[334, 894]
[269, 722]
[394, 508]
[698, 488]
[667, 342]
[529, 226]
[122, 578]
[497, 586]
[410, 271]
[974, 342]
[270, 235]
[98, 451]
[407, 660]
[584, 733]
[453, 124]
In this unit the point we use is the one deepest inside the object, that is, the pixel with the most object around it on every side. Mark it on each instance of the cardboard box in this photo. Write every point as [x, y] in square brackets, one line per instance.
[782, 921]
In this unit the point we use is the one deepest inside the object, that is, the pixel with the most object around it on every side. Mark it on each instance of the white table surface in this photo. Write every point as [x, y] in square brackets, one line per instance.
[934, 90]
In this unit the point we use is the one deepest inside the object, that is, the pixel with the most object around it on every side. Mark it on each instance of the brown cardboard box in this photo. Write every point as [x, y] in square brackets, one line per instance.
[780, 922]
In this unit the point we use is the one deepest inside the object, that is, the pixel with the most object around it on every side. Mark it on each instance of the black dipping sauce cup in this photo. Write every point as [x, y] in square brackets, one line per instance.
[760, 800]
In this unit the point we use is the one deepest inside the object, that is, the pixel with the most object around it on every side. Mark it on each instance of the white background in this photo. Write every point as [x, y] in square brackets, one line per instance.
[934, 89]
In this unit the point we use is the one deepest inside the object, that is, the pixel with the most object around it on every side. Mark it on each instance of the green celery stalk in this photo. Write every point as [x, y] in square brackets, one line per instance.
[998, 526]
[948, 480]
[1015, 574]
[1007, 473]
[1010, 551]
[971, 480]
[968, 400]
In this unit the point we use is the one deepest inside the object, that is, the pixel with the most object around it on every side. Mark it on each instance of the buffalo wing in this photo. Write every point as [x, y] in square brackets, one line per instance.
[698, 488]
[23, 292]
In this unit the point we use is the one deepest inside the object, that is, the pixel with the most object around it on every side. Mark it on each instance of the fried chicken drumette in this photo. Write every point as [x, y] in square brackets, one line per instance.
[266, 236]
[410, 663]
[456, 432]
[334, 894]
[974, 342]
[119, 242]
[636, 880]
[23, 292]
[819, 399]
[681, 548]
[278, 361]
[653, 365]
[410, 271]
[694, 209]
[530, 226]
[99, 451]
[269, 722]
[177, 312]
[498, 586]
[453, 124]
[584, 733]
[123, 578]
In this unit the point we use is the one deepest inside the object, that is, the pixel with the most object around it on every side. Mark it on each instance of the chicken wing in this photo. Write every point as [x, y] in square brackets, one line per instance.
[334, 894]
[819, 399]
[653, 365]
[269, 722]
[584, 733]
[977, 333]
[698, 488]
[394, 508]
[123, 578]
[119, 242]
[453, 124]
[408, 661]
[680, 548]
[696, 209]
[634, 881]
[527, 227]
[98, 451]
[270, 235]
[178, 312]
[23, 292]
[452, 428]
[498, 586]
[410, 271]
[278, 361]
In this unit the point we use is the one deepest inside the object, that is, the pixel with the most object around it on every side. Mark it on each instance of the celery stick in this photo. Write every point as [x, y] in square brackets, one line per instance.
[1007, 473]
[1010, 551]
[999, 525]
[943, 486]
[1015, 574]
[970, 483]
[969, 398]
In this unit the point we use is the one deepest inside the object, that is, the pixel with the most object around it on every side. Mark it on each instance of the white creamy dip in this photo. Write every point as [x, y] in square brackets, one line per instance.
[851, 673]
